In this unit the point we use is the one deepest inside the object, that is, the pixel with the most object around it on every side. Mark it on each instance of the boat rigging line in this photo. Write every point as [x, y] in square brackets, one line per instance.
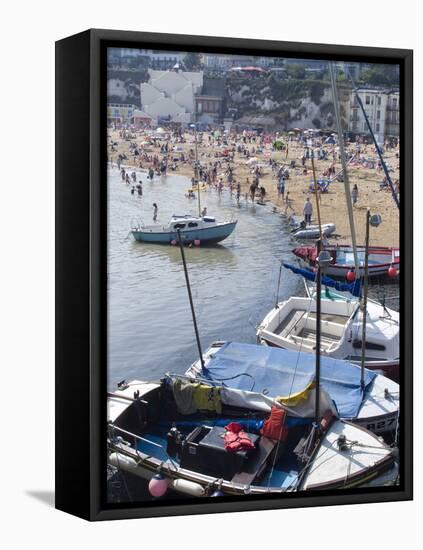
[278, 287]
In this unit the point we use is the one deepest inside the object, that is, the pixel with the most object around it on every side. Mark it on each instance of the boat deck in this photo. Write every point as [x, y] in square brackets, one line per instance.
[280, 473]
[307, 335]
[289, 323]
[332, 318]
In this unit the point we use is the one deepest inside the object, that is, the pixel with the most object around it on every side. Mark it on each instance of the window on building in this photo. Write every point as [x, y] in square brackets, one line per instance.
[367, 100]
[378, 127]
[379, 100]
[394, 102]
[378, 115]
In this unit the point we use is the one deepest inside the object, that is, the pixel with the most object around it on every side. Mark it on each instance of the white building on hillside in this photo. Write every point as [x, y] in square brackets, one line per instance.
[160, 58]
[382, 109]
[171, 94]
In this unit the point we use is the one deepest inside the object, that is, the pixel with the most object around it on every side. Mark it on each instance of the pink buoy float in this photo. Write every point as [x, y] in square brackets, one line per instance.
[158, 486]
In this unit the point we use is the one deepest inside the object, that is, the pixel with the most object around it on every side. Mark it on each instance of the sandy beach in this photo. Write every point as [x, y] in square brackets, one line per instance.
[332, 204]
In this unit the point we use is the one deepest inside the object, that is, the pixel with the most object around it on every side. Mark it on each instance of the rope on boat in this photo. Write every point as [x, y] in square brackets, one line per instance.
[126, 238]
[298, 477]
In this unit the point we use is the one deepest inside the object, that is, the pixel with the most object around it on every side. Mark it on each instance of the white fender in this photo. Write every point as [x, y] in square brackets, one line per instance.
[123, 462]
[187, 487]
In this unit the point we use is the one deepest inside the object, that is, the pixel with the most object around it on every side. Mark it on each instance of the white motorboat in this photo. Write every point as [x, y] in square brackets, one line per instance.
[292, 325]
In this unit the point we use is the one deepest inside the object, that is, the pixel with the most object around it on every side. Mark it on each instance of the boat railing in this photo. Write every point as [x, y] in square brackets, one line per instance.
[136, 438]
[137, 224]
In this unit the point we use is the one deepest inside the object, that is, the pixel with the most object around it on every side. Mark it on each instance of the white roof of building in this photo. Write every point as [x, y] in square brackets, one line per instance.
[140, 114]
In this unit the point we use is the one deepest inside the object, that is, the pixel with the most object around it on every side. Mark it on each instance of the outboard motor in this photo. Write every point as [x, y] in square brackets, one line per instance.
[174, 440]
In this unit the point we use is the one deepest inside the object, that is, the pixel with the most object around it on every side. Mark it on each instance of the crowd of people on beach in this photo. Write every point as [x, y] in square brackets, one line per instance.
[215, 157]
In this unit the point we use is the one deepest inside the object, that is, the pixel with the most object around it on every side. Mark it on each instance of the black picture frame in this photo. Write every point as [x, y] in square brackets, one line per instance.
[81, 327]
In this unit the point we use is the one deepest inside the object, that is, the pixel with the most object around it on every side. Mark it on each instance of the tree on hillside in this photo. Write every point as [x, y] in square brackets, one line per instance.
[380, 75]
[296, 71]
[192, 61]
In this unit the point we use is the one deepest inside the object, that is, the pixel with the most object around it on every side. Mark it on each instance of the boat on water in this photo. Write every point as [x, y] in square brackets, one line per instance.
[204, 229]
[301, 230]
[375, 407]
[381, 259]
[206, 439]
[292, 325]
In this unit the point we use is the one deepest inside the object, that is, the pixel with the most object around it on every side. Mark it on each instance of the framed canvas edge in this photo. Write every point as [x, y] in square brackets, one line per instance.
[96, 408]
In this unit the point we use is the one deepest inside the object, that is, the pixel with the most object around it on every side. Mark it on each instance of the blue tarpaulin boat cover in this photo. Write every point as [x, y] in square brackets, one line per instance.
[278, 372]
[354, 288]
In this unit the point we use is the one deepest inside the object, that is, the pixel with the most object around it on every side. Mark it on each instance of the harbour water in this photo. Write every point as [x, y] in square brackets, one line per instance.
[150, 330]
[233, 284]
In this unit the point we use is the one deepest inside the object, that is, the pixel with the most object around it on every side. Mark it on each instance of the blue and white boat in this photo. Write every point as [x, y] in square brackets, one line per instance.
[273, 372]
[175, 431]
[203, 229]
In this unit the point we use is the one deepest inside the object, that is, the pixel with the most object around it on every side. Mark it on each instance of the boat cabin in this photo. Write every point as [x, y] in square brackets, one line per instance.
[293, 325]
[185, 223]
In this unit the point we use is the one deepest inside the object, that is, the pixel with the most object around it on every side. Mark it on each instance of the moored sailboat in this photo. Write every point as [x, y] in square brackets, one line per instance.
[150, 437]
[204, 229]
[382, 259]
[240, 366]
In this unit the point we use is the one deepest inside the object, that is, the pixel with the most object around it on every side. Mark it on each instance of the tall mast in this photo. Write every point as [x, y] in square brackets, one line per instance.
[364, 302]
[332, 70]
[318, 327]
[191, 303]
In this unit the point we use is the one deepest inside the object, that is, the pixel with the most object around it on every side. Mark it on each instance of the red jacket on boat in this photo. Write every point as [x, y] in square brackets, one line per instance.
[274, 427]
[236, 439]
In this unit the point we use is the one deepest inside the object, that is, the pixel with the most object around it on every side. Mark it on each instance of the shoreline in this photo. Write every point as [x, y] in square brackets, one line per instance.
[332, 204]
